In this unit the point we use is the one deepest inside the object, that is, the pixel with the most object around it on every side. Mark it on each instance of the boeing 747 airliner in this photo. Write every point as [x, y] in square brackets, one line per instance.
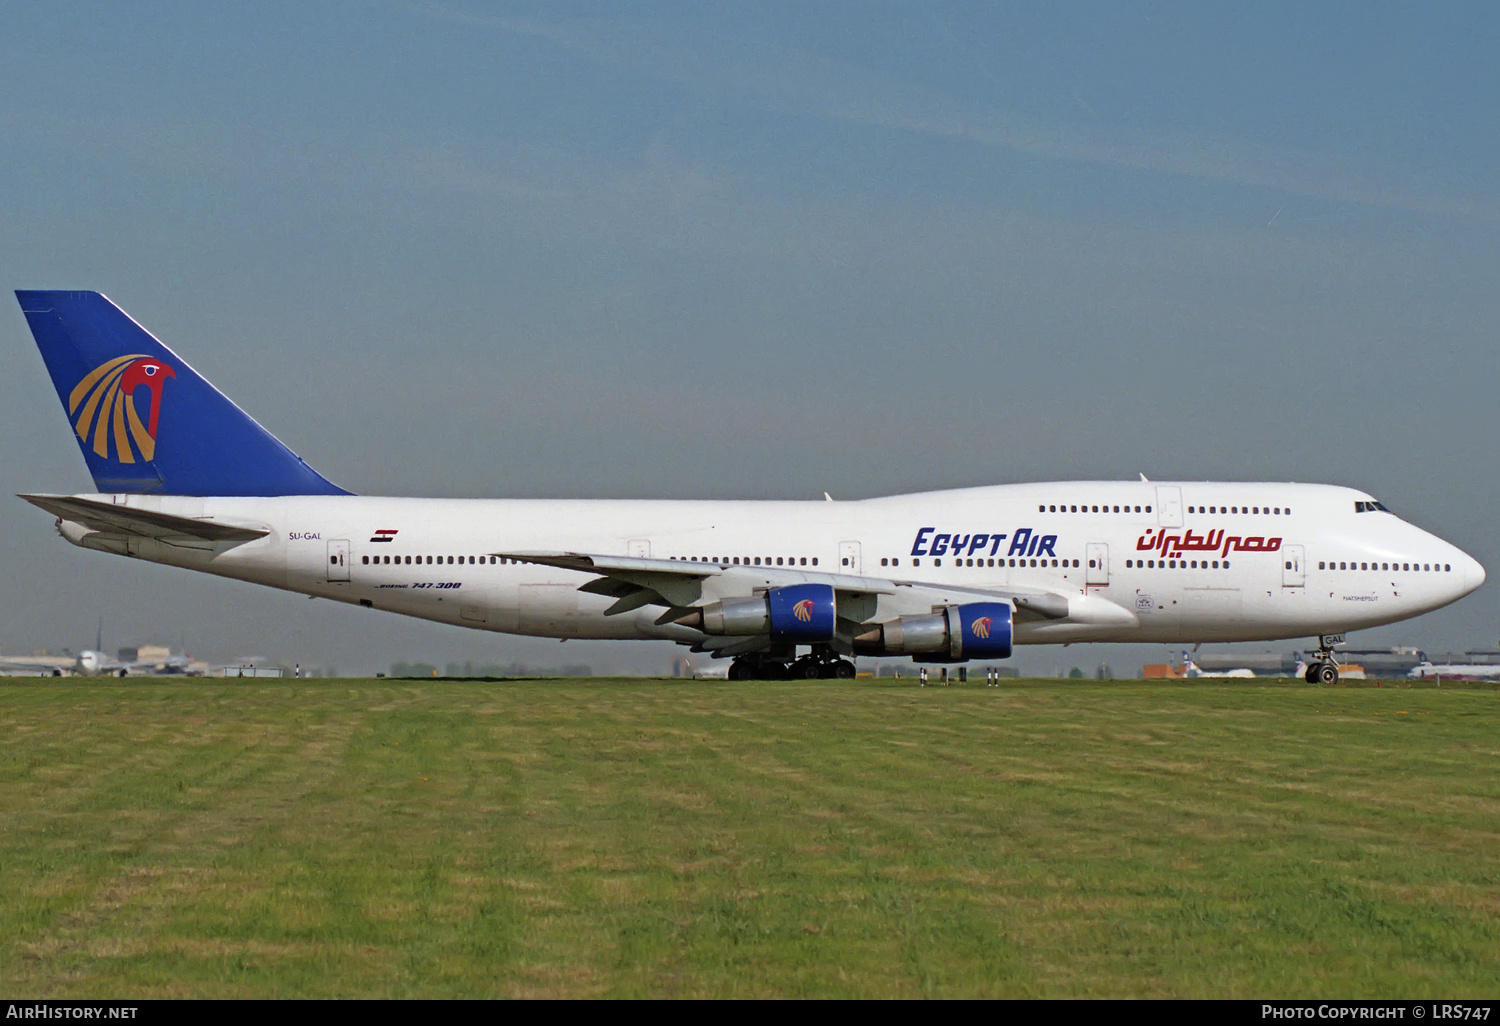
[184, 477]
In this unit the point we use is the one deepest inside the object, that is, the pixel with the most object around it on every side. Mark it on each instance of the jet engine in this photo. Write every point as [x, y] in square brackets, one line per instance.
[974, 630]
[802, 614]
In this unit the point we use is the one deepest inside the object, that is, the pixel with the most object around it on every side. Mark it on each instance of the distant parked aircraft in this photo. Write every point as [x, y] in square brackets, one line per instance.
[92, 663]
[1455, 671]
[1191, 669]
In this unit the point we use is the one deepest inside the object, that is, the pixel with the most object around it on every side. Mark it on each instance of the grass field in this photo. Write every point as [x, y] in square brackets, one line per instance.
[661, 838]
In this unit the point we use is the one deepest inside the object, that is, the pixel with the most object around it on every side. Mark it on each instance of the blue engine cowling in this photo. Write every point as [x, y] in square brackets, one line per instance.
[802, 613]
[982, 631]
[974, 630]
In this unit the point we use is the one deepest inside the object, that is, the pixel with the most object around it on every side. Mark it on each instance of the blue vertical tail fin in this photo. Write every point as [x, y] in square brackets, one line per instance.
[145, 420]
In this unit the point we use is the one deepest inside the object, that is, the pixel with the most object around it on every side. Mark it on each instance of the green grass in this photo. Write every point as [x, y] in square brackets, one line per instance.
[661, 838]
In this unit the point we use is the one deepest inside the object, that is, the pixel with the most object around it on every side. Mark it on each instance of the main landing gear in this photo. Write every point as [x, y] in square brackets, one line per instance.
[1324, 668]
[822, 663]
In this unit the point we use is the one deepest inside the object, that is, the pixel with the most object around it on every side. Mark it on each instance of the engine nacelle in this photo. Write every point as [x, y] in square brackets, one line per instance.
[798, 613]
[974, 630]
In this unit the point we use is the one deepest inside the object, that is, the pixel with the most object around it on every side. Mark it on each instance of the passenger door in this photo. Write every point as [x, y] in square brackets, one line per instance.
[1293, 571]
[338, 559]
[1098, 568]
[849, 557]
[1169, 507]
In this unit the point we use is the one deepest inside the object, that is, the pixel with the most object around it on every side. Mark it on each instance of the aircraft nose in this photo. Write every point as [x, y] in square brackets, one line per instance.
[1473, 573]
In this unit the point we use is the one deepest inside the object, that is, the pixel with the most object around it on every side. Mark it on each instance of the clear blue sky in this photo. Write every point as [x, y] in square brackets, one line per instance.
[760, 250]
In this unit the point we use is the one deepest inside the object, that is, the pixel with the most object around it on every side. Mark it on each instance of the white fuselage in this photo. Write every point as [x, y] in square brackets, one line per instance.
[1178, 562]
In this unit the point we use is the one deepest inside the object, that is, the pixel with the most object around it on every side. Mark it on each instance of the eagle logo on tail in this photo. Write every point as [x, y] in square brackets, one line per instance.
[103, 406]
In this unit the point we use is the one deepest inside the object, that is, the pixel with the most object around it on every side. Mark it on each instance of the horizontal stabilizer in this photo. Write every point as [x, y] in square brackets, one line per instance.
[112, 519]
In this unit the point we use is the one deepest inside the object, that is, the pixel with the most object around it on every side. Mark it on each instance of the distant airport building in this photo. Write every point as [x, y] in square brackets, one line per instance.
[248, 671]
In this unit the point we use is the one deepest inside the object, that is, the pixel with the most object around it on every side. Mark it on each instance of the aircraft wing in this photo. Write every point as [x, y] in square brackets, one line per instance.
[112, 519]
[44, 665]
[636, 581]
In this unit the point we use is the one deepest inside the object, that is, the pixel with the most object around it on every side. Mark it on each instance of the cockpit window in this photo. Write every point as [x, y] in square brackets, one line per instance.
[1361, 506]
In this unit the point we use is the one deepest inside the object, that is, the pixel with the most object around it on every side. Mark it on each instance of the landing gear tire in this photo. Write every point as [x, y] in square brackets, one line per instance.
[843, 670]
[1327, 674]
[1311, 673]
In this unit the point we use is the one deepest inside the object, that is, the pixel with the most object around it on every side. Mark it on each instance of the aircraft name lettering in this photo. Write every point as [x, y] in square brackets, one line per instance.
[1169, 543]
[1023, 542]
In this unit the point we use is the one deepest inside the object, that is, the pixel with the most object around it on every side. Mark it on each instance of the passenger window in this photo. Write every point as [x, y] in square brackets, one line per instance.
[815, 561]
[1148, 509]
[1054, 509]
[897, 562]
[916, 562]
[937, 562]
[365, 560]
[884, 562]
[1075, 509]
